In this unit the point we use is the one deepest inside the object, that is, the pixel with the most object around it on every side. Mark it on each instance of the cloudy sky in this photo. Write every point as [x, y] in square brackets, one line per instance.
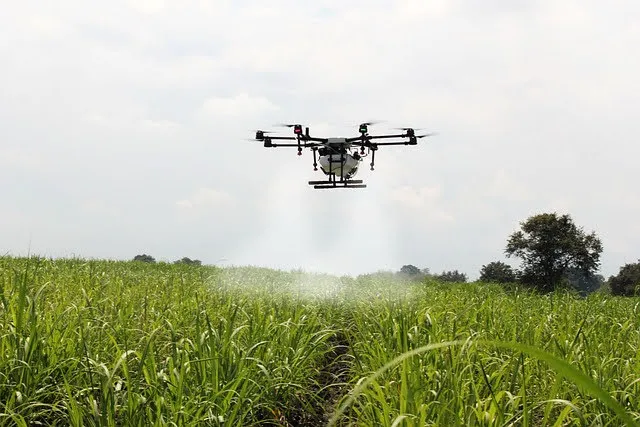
[123, 127]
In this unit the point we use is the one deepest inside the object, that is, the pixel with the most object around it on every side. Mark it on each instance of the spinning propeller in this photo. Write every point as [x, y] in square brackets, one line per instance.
[297, 128]
[410, 132]
[364, 127]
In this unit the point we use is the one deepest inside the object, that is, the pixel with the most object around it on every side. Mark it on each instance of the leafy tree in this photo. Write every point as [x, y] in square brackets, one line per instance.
[497, 272]
[144, 258]
[189, 261]
[452, 276]
[410, 270]
[583, 283]
[627, 281]
[549, 245]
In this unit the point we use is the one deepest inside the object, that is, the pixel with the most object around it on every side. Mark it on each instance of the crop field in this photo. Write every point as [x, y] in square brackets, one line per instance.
[108, 343]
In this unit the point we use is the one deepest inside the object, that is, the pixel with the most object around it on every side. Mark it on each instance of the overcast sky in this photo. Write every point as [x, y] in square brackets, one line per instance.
[123, 127]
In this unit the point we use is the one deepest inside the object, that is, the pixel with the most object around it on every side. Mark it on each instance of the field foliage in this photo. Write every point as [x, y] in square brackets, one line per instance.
[107, 343]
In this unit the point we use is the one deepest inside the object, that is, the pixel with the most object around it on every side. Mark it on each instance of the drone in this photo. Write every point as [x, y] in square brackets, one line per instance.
[334, 155]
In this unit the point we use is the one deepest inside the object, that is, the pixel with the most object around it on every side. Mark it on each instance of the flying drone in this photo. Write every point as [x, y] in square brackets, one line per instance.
[334, 155]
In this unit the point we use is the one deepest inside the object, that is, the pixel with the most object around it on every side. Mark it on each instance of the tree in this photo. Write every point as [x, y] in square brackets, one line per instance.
[497, 272]
[583, 283]
[549, 245]
[452, 277]
[627, 281]
[144, 258]
[188, 261]
[410, 270]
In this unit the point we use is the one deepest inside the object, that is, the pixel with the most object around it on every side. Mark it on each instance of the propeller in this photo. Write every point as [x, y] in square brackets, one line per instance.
[372, 122]
[411, 132]
[363, 128]
[297, 128]
[426, 134]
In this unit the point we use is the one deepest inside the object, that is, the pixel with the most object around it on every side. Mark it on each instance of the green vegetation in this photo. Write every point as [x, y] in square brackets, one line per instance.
[555, 254]
[497, 272]
[627, 281]
[138, 343]
[549, 246]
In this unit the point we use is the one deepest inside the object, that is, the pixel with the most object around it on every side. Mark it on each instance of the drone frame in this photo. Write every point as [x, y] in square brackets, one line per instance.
[364, 140]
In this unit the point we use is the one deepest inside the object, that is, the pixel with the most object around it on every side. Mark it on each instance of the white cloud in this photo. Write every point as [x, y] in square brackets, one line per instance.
[20, 158]
[148, 7]
[47, 27]
[162, 126]
[507, 187]
[206, 198]
[236, 106]
[422, 203]
[138, 101]
[100, 208]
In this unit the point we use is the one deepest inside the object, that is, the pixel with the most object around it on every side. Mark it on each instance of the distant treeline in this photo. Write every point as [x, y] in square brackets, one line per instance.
[150, 259]
[554, 252]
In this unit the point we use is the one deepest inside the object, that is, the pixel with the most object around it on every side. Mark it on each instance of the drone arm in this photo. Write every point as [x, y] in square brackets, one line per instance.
[285, 138]
[413, 139]
[403, 135]
[315, 139]
[367, 138]
[302, 145]
[395, 143]
[355, 139]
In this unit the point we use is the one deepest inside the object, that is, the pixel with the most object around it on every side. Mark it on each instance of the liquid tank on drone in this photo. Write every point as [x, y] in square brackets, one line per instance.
[338, 160]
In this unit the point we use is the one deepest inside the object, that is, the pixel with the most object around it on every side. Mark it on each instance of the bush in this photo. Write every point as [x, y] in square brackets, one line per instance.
[497, 272]
[627, 281]
[452, 277]
[144, 258]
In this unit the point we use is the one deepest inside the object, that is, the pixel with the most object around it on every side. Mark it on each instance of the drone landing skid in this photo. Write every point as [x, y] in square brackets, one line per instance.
[338, 184]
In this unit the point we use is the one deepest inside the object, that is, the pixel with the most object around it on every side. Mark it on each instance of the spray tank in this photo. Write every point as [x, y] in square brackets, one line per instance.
[337, 160]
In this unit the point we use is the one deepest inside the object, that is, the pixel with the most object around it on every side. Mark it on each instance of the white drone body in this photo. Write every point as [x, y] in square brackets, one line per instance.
[332, 164]
[344, 165]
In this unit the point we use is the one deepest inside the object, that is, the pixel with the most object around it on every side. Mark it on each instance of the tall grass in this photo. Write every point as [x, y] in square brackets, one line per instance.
[496, 385]
[86, 342]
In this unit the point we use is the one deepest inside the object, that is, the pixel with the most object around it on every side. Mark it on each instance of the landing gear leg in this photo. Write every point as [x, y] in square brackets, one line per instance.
[373, 156]
[315, 161]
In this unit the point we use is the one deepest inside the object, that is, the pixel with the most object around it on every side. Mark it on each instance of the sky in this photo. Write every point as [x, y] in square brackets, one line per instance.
[124, 127]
